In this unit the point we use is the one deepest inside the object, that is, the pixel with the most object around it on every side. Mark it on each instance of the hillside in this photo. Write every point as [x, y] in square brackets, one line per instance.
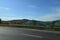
[32, 24]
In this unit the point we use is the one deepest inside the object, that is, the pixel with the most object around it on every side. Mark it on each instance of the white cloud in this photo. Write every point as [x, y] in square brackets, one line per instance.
[9, 18]
[4, 8]
[50, 17]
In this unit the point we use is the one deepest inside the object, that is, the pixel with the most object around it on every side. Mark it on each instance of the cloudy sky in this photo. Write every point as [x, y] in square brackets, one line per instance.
[43, 10]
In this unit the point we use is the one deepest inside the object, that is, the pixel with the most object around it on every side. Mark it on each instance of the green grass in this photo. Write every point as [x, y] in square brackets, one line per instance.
[30, 26]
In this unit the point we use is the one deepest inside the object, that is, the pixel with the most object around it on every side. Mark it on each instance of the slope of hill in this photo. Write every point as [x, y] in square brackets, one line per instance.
[31, 24]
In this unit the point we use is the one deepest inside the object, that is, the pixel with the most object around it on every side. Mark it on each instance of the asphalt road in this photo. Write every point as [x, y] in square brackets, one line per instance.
[9, 33]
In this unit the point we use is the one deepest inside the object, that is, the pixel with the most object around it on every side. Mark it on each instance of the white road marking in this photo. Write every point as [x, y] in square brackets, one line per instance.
[41, 30]
[22, 34]
[33, 35]
[33, 30]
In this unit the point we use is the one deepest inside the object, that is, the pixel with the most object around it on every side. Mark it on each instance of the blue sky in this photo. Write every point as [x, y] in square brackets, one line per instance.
[42, 10]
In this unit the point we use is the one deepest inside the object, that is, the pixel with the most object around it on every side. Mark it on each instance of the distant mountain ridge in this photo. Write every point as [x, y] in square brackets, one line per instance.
[32, 24]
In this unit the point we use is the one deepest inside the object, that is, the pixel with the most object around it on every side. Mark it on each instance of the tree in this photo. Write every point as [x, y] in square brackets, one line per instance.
[0, 20]
[57, 24]
[53, 24]
[34, 22]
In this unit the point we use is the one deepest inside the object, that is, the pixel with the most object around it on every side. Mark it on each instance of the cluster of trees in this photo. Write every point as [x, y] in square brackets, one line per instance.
[0, 20]
[33, 23]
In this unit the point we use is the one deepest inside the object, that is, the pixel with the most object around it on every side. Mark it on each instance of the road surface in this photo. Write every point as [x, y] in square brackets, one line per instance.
[9, 33]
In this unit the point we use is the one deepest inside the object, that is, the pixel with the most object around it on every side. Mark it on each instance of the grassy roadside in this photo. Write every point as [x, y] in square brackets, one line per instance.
[29, 26]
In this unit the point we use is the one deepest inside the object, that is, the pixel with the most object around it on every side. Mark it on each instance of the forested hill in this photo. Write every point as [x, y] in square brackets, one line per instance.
[27, 22]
